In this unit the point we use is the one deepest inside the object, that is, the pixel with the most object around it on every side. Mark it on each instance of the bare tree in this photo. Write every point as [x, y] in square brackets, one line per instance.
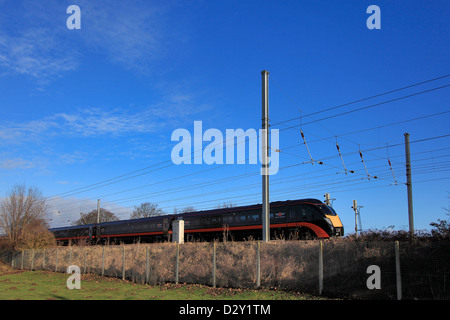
[187, 209]
[226, 204]
[22, 215]
[146, 209]
[91, 217]
[442, 227]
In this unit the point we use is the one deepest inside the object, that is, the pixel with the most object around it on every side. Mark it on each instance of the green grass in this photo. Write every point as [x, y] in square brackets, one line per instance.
[44, 285]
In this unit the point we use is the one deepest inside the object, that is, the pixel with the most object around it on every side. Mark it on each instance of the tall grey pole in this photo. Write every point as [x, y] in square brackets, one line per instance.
[98, 210]
[355, 208]
[265, 156]
[409, 185]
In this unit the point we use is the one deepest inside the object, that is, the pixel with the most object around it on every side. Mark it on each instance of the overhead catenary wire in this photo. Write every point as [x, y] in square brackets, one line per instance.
[127, 176]
[420, 140]
[283, 182]
[359, 100]
[364, 108]
[372, 128]
[284, 192]
[111, 180]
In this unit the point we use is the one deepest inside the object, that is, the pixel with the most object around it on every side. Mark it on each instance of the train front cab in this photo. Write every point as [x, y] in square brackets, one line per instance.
[334, 221]
[312, 219]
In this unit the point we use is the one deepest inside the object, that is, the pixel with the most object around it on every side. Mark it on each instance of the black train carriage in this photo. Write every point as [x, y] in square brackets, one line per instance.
[75, 233]
[292, 219]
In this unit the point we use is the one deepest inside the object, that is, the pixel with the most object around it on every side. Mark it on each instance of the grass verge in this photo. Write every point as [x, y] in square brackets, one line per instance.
[45, 285]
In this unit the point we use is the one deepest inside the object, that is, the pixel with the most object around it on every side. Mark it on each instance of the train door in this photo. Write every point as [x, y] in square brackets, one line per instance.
[166, 227]
[91, 232]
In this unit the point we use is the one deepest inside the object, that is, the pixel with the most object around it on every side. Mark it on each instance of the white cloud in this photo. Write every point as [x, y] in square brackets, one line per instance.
[35, 52]
[64, 211]
[172, 111]
[132, 34]
[129, 33]
[16, 163]
[92, 122]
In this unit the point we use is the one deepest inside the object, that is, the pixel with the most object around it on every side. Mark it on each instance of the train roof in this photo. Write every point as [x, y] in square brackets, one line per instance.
[253, 206]
[72, 227]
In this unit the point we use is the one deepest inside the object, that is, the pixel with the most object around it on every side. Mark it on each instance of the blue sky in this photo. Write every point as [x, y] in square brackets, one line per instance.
[79, 107]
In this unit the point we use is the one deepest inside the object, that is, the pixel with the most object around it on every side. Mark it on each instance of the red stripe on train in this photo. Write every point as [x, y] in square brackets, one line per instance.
[320, 233]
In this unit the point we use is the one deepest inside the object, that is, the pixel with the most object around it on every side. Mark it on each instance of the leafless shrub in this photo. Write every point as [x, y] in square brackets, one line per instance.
[196, 263]
[291, 265]
[22, 218]
[236, 264]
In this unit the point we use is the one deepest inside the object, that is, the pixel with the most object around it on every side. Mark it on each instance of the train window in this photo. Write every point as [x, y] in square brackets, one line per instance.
[215, 220]
[292, 213]
[227, 219]
[243, 217]
[300, 211]
[254, 217]
[328, 210]
[193, 221]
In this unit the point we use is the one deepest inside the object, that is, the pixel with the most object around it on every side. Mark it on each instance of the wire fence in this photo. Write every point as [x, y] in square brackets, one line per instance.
[346, 269]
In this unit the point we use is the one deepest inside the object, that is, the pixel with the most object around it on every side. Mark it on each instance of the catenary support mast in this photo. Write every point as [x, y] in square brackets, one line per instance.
[409, 185]
[265, 157]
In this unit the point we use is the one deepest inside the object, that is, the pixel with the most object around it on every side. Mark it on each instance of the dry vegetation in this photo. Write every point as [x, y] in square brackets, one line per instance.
[289, 265]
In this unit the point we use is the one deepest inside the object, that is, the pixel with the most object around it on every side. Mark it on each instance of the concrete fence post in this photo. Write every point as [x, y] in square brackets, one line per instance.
[214, 265]
[32, 259]
[147, 266]
[84, 254]
[123, 263]
[258, 264]
[398, 275]
[56, 260]
[177, 265]
[320, 267]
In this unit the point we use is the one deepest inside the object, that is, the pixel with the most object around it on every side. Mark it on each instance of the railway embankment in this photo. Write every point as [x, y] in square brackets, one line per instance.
[357, 269]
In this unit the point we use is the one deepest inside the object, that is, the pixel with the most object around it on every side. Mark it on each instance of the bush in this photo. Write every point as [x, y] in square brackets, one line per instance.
[35, 237]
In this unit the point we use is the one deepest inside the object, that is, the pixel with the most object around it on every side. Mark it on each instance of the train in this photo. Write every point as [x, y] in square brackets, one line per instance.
[290, 219]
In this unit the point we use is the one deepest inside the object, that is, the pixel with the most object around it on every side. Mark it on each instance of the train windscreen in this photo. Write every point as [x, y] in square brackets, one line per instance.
[327, 210]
